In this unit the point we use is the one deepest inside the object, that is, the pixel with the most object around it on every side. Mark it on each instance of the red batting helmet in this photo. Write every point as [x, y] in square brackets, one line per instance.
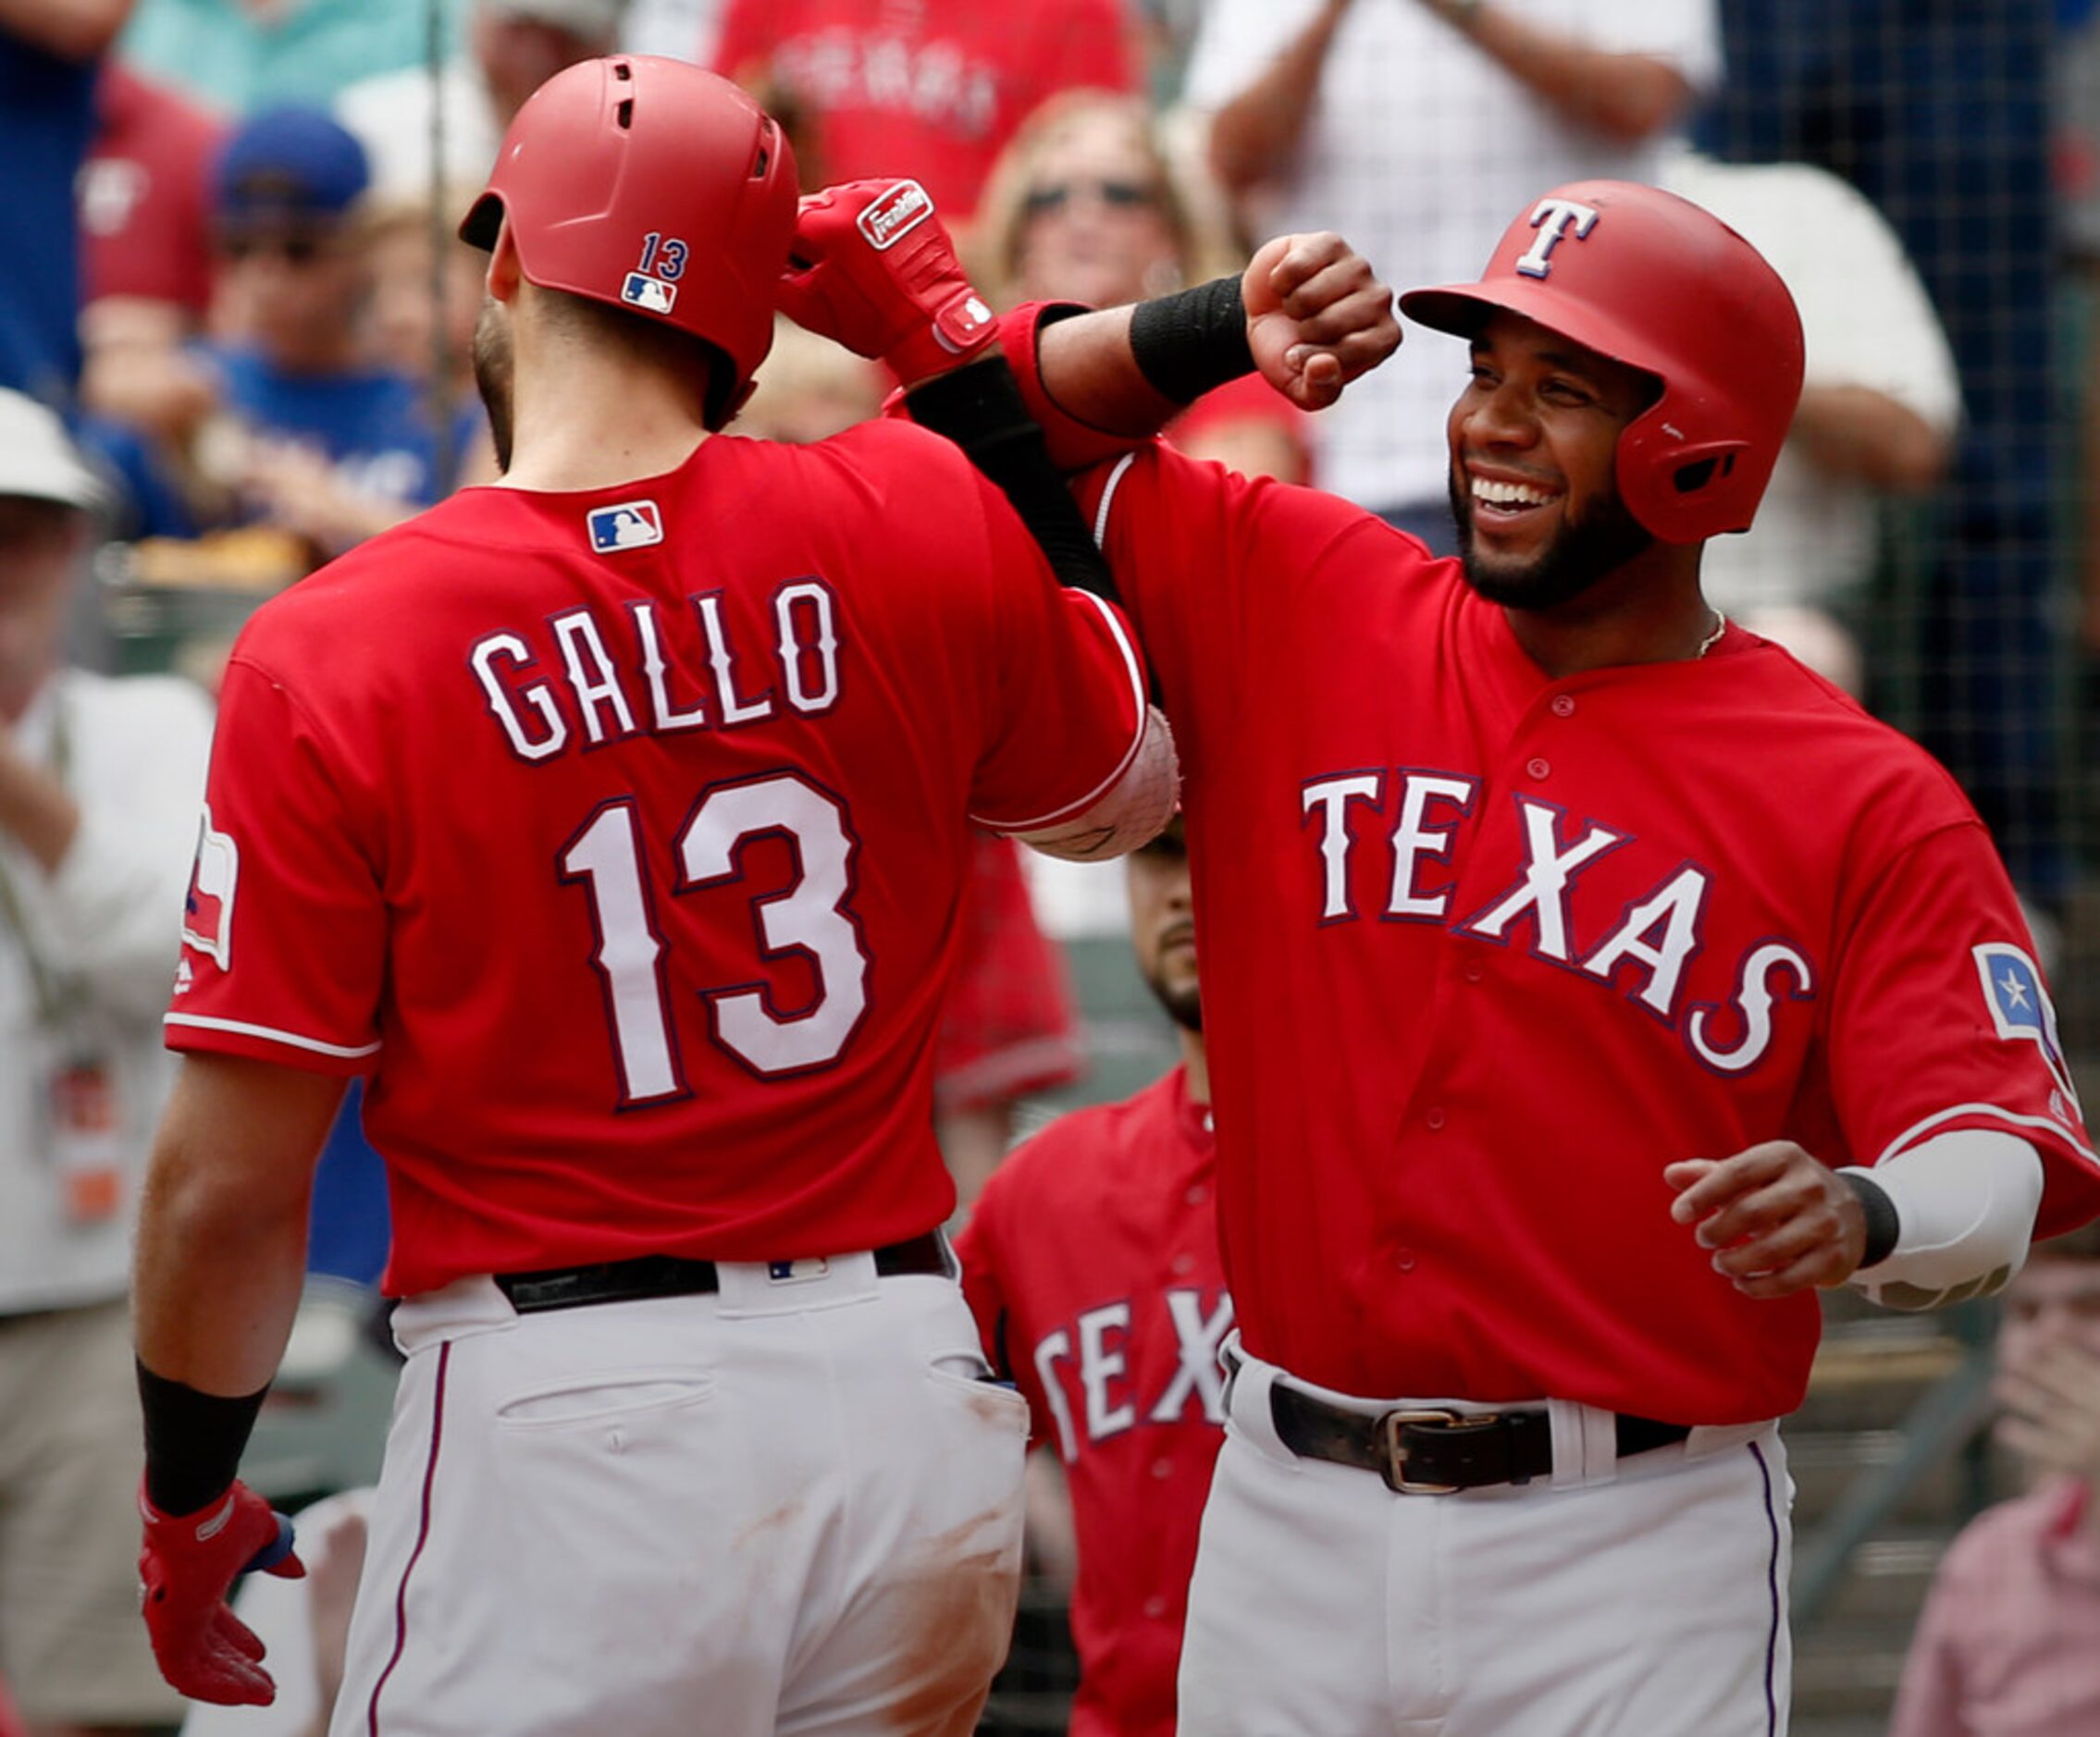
[1652, 280]
[658, 188]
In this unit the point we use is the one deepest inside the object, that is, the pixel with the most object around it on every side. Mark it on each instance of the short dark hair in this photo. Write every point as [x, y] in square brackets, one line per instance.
[666, 346]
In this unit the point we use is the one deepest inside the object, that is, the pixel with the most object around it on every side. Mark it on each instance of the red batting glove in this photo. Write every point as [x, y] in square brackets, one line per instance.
[872, 268]
[185, 1567]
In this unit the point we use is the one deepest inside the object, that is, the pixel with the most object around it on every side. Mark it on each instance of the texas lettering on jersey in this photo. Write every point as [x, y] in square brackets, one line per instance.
[1640, 949]
[1086, 1376]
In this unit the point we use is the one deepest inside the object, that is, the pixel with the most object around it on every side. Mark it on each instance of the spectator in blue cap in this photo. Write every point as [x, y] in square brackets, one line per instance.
[306, 434]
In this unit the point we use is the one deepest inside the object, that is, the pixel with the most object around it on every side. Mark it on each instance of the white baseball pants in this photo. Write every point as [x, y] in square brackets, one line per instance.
[1643, 1597]
[792, 1508]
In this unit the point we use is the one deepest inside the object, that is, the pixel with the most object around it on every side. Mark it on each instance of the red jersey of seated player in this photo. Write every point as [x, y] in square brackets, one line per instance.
[1484, 951]
[618, 835]
[924, 89]
[1091, 1262]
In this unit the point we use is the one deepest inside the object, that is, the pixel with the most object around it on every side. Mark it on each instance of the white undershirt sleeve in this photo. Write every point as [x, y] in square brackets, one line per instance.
[1132, 810]
[1965, 1203]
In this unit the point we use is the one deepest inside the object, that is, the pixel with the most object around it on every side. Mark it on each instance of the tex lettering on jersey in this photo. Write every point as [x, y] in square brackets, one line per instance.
[1089, 1360]
[588, 676]
[1642, 947]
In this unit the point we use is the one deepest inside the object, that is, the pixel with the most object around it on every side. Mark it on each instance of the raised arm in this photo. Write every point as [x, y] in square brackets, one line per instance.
[1257, 133]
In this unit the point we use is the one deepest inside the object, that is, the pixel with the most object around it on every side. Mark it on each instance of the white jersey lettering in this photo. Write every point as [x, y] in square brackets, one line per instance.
[1753, 999]
[1102, 1365]
[1332, 796]
[1197, 1337]
[1674, 907]
[1412, 840]
[599, 685]
[538, 695]
[1543, 889]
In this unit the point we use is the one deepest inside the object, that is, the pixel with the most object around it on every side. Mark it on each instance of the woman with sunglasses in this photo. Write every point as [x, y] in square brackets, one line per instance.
[1089, 203]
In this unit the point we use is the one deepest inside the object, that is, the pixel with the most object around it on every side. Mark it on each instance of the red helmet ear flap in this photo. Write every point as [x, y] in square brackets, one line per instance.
[1685, 491]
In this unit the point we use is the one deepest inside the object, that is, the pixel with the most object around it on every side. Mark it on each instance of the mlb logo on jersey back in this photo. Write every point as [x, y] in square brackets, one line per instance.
[630, 524]
[652, 295]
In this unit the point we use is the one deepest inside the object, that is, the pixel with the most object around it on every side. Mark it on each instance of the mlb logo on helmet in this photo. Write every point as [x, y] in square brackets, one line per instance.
[629, 525]
[652, 295]
[893, 215]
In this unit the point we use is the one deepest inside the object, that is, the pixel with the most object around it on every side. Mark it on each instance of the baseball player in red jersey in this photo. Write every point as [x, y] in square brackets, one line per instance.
[1586, 984]
[1091, 1260]
[612, 822]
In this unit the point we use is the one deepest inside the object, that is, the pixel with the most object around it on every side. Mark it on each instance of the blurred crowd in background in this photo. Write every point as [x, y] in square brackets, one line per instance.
[235, 341]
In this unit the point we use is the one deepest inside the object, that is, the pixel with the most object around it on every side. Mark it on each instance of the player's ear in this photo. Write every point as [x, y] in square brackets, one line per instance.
[504, 272]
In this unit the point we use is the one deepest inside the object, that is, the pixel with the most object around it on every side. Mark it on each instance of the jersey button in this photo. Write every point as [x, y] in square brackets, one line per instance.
[1182, 1265]
[1563, 706]
[1474, 970]
[1403, 1259]
[1155, 1607]
[1434, 1118]
[1536, 768]
[1163, 1468]
[1198, 1194]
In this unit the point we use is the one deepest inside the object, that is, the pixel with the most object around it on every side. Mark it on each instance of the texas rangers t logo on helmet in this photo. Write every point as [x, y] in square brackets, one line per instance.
[1554, 219]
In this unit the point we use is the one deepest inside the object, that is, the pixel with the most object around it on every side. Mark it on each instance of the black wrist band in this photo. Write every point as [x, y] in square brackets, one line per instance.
[1883, 1224]
[979, 408]
[1187, 343]
[193, 1441]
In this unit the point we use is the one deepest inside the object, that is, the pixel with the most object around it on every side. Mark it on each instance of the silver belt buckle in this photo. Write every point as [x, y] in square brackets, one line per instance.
[1395, 1468]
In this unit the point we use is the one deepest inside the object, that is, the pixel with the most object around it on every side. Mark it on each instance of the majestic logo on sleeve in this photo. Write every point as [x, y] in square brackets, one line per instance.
[207, 912]
[630, 524]
[2021, 1007]
[1555, 220]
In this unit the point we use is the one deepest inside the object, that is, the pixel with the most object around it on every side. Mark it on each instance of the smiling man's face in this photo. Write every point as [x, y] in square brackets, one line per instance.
[1534, 439]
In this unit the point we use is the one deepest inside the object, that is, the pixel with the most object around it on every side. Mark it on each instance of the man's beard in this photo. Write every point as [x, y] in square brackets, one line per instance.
[1184, 1006]
[493, 376]
[1582, 553]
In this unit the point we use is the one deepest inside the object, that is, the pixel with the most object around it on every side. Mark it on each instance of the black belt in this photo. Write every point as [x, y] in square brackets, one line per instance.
[672, 1275]
[1434, 1452]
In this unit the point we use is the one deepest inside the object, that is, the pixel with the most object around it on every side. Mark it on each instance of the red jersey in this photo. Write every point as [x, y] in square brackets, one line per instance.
[1484, 951]
[619, 835]
[1008, 1028]
[901, 87]
[1091, 1260]
[145, 203]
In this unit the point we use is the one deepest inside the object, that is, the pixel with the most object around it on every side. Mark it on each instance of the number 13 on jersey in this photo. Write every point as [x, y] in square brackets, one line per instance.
[608, 857]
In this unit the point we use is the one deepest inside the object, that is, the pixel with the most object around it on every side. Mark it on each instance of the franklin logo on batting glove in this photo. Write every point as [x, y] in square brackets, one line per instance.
[895, 214]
